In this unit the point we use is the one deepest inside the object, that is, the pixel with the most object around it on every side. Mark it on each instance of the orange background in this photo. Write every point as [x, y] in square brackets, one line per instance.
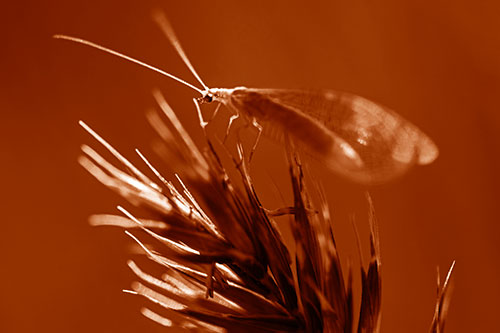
[435, 62]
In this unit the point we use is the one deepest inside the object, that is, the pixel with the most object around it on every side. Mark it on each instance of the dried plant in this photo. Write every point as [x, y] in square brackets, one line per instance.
[226, 266]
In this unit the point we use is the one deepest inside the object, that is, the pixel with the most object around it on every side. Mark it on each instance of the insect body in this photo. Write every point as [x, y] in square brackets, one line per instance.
[358, 139]
[353, 136]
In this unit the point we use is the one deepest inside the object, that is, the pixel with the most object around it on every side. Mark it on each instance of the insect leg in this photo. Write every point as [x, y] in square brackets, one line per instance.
[259, 128]
[215, 112]
[287, 211]
[204, 123]
[231, 121]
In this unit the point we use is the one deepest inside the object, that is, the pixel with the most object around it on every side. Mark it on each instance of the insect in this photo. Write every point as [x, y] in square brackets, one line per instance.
[355, 137]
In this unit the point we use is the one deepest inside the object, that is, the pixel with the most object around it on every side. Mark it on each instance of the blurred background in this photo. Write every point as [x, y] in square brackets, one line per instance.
[437, 63]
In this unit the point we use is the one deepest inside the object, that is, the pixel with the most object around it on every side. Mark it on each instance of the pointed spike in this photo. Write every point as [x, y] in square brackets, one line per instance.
[156, 317]
[119, 156]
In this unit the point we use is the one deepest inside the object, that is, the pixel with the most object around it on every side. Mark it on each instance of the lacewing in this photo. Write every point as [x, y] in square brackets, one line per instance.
[355, 137]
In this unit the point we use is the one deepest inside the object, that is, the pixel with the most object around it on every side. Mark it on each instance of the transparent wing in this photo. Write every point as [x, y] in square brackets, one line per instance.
[387, 143]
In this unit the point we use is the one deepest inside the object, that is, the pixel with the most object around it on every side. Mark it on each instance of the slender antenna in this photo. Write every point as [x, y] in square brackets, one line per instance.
[167, 29]
[118, 54]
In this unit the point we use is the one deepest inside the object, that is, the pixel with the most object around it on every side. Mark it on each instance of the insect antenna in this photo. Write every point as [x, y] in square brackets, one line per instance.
[167, 29]
[123, 56]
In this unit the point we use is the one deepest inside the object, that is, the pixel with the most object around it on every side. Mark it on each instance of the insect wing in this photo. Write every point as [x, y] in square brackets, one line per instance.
[387, 143]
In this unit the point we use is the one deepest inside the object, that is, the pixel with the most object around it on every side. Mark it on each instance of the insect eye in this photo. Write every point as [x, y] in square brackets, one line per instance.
[208, 98]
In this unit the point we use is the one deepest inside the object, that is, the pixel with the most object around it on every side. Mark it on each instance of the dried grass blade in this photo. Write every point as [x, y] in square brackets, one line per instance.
[442, 303]
[370, 311]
